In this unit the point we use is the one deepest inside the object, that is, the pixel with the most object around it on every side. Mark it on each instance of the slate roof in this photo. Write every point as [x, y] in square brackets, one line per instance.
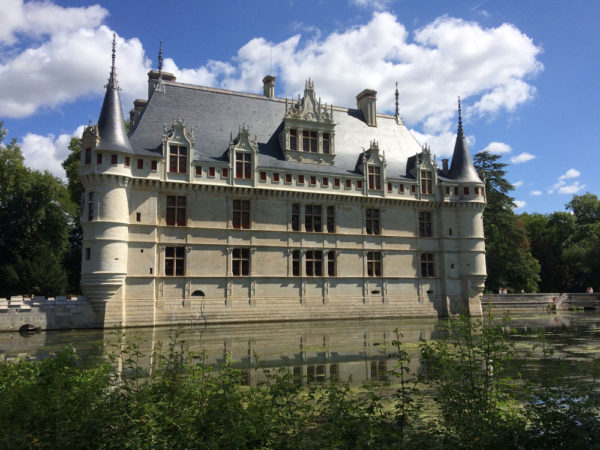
[215, 113]
[462, 168]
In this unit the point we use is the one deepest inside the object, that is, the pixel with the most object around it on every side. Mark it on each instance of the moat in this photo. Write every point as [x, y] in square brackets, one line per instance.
[318, 350]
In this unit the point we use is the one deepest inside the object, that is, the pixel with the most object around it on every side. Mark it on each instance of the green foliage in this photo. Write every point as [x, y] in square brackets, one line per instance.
[463, 399]
[35, 222]
[509, 261]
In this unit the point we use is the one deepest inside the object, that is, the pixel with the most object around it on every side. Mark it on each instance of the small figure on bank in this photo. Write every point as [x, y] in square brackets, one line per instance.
[589, 290]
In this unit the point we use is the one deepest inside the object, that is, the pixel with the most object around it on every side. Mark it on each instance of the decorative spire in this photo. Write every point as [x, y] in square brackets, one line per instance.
[462, 168]
[160, 59]
[112, 79]
[460, 126]
[397, 109]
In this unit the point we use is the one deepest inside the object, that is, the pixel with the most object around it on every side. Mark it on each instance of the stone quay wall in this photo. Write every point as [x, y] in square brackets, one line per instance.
[527, 303]
[45, 313]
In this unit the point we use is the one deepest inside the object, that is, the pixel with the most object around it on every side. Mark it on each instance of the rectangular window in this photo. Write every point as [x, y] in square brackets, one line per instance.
[476, 191]
[263, 176]
[176, 206]
[426, 182]
[199, 171]
[466, 190]
[359, 184]
[413, 188]
[331, 269]
[325, 181]
[447, 190]
[211, 171]
[88, 156]
[336, 182]
[348, 184]
[241, 214]
[88, 253]
[425, 224]
[305, 141]
[313, 142]
[177, 159]
[224, 172]
[401, 188]
[296, 267]
[312, 218]
[91, 206]
[288, 178]
[300, 179]
[98, 158]
[140, 164]
[374, 264]
[175, 261]
[127, 161]
[114, 159]
[243, 165]
[240, 262]
[295, 216]
[154, 165]
[314, 263]
[331, 219]
[313, 181]
[372, 225]
[374, 177]
[326, 143]
[427, 265]
[389, 187]
[293, 139]
[455, 191]
[138, 217]
[275, 178]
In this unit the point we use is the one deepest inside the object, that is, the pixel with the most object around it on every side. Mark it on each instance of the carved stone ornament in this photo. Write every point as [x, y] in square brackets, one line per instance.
[179, 132]
[243, 140]
[307, 108]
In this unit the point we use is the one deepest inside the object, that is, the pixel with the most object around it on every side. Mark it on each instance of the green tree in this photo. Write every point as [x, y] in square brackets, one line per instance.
[509, 261]
[35, 221]
[76, 191]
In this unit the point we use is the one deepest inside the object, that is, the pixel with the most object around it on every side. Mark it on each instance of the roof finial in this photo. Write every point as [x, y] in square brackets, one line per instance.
[460, 127]
[160, 59]
[397, 109]
[112, 79]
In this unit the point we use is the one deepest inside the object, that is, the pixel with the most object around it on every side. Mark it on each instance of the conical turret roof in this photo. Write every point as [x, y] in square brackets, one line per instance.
[111, 124]
[462, 168]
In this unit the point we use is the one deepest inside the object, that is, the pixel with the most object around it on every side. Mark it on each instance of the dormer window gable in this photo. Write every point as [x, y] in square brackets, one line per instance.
[308, 129]
[178, 147]
[243, 150]
[424, 170]
[371, 163]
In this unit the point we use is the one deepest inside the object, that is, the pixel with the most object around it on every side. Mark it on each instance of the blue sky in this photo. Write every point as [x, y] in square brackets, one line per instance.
[527, 71]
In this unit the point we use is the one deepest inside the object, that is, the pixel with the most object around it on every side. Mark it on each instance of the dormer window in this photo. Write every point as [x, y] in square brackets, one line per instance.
[374, 177]
[243, 165]
[178, 158]
[293, 139]
[426, 182]
[326, 143]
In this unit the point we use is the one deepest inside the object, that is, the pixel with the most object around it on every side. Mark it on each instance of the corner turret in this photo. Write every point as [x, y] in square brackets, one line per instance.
[111, 124]
[462, 168]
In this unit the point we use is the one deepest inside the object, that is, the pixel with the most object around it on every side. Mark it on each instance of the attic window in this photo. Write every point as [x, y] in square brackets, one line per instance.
[243, 165]
[374, 177]
[326, 143]
[88, 155]
[293, 139]
[426, 182]
[177, 159]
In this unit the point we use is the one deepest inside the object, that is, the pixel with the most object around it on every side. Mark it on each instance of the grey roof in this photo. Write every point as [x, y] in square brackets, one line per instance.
[111, 124]
[462, 168]
[215, 113]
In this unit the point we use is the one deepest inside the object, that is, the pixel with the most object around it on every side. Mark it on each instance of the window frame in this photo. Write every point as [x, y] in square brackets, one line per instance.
[427, 265]
[313, 262]
[313, 218]
[243, 165]
[372, 221]
[374, 264]
[374, 177]
[178, 158]
[174, 261]
[240, 214]
[425, 224]
[176, 212]
[240, 262]
[426, 182]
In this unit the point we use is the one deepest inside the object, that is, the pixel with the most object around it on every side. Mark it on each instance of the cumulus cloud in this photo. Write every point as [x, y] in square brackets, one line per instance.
[47, 152]
[497, 148]
[521, 158]
[535, 193]
[520, 204]
[562, 187]
[518, 183]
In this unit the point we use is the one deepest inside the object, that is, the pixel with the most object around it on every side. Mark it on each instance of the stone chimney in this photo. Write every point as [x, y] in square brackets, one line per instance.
[269, 86]
[445, 166]
[367, 103]
[153, 79]
[138, 107]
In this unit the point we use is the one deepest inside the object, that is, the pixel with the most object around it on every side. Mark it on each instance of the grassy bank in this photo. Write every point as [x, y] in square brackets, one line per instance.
[461, 398]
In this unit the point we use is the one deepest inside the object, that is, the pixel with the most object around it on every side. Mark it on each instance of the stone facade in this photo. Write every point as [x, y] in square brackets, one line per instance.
[223, 206]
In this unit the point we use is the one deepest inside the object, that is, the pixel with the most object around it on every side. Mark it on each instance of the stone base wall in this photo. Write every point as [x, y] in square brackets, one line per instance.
[527, 303]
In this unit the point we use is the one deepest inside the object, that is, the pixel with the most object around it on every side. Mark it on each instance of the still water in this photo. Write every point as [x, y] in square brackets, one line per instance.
[315, 351]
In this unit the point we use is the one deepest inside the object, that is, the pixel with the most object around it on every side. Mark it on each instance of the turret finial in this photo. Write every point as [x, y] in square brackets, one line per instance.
[460, 127]
[112, 79]
[397, 109]
[160, 58]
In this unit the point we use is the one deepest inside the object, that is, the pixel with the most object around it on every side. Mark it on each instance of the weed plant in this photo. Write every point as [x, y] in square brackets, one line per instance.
[461, 397]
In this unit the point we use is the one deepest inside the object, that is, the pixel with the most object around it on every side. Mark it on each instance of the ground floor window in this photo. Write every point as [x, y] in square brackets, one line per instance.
[427, 265]
[240, 262]
[374, 264]
[314, 263]
[174, 261]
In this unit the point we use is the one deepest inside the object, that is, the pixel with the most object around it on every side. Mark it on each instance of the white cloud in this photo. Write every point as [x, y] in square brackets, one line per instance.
[377, 5]
[518, 183]
[48, 152]
[571, 173]
[521, 158]
[535, 193]
[441, 144]
[520, 204]
[497, 148]
[562, 187]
